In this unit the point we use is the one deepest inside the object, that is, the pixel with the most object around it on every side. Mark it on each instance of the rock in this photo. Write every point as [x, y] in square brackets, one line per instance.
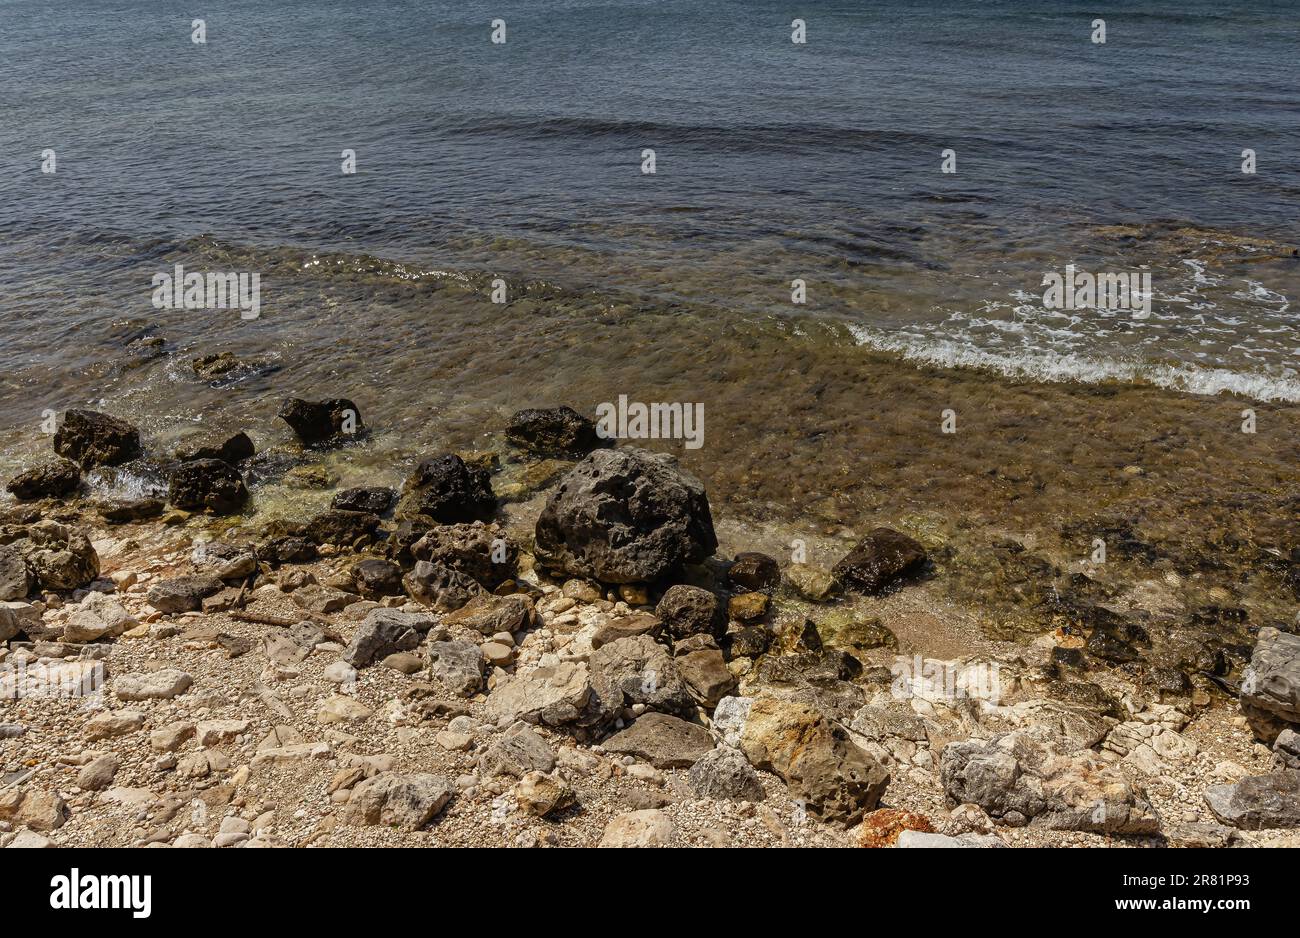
[835, 779]
[60, 557]
[171, 737]
[98, 774]
[691, 610]
[38, 810]
[812, 583]
[16, 618]
[664, 741]
[638, 670]
[16, 580]
[648, 828]
[491, 615]
[724, 774]
[50, 479]
[229, 448]
[124, 510]
[516, 752]
[1030, 777]
[629, 627]
[445, 490]
[183, 594]
[754, 572]
[112, 724]
[625, 516]
[1286, 749]
[556, 432]
[478, 550]
[215, 732]
[407, 802]
[207, 484]
[339, 709]
[340, 672]
[919, 839]
[540, 795]
[94, 439]
[555, 695]
[749, 642]
[373, 499]
[457, 666]
[339, 526]
[29, 840]
[748, 607]
[879, 560]
[376, 578]
[323, 600]
[882, 828]
[706, 675]
[1261, 802]
[98, 616]
[439, 587]
[383, 632]
[1270, 686]
[152, 685]
[318, 422]
[729, 718]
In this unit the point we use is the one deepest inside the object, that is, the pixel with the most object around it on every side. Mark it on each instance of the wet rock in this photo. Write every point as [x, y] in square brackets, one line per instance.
[52, 479]
[60, 557]
[340, 526]
[754, 572]
[152, 685]
[882, 558]
[1261, 802]
[90, 438]
[724, 774]
[639, 671]
[289, 548]
[16, 580]
[541, 795]
[555, 431]
[647, 828]
[749, 642]
[444, 489]
[457, 666]
[516, 752]
[407, 802]
[1270, 686]
[748, 607]
[625, 516]
[231, 448]
[478, 550]
[440, 587]
[319, 422]
[207, 484]
[666, 742]
[184, 593]
[376, 578]
[383, 632]
[373, 499]
[491, 615]
[810, 582]
[691, 610]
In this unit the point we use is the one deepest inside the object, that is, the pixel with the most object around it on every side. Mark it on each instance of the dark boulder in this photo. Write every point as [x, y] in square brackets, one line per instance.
[625, 516]
[90, 438]
[207, 484]
[183, 593]
[375, 578]
[879, 560]
[316, 422]
[374, 499]
[337, 526]
[444, 489]
[479, 550]
[229, 448]
[691, 610]
[47, 480]
[754, 572]
[123, 510]
[553, 432]
[439, 587]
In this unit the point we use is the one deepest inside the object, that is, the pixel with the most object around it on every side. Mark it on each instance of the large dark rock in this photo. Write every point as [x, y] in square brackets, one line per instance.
[555, 431]
[691, 610]
[479, 550]
[1270, 686]
[384, 632]
[337, 526]
[444, 489]
[183, 593]
[317, 422]
[230, 448]
[879, 560]
[375, 578]
[374, 499]
[754, 572]
[90, 438]
[46, 480]
[625, 516]
[439, 587]
[207, 484]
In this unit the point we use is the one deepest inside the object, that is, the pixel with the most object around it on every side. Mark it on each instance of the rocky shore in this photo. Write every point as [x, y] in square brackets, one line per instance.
[562, 654]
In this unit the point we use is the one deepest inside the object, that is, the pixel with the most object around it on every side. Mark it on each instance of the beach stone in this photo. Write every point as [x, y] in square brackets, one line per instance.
[883, 827]
[171, 737]
[407, 802]
[724, 774]
[489, 615]
[98, 774]
[90, 438]
[691, 610]
[627, 627]
[748, 607]
[539, 794]
[554, 432]
[60, 557]
[478, 550]
[1286, 749]
[39, 810]
[373, 499]
[927, 841]
[516, 752]
[97, 616]
[124, 510]
[16, 579]
[439, 587]
[749, 642]
[324, 600]
[647, 828]
[113, 723]
[29, 840]
[51, 479]
[666, 742]
[457, 666]
[556, 695]
[318, 422]
[375, 578]
[1270, 686]
[184, 593]
[384, 632]
[18, 617]
[639, 670]
[625, 516]
[444, 489]
[810, 582]
[404, 662]
[207, 484]
[215, 732]
[1260, 802]
[340, 709]
[880, 559]
[754, 572]
[231, 448]
[707, 675]
[152, 685]
[338, 526]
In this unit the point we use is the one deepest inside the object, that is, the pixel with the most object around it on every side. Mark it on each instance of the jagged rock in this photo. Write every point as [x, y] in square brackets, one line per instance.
[124, 510]
[230, 448]
[555, 695]
[625, 516]
[457, 666]
[183, 593]
[1270, 686]
[227, 561]
[516, 752]
[478, 550]
[98, 616]
[490, 615]
[1261, 802]
[152, 685]
[38, 810]
[325, 600]
[90, 438]
[626, 627]
[16, 579]
[444, 489]
[1029, 777]
[60, 557]
[317, 422]
[879, 560]
[373, 499]
[407, 802]
[555, 431]
[639, 671]
[287, 549]
[383, 632]
[754, 572]
[50, 479]
[376, 578]
[666, 742]
[706, 674]
[749, 642]
[724, 774]
[541, 795]
[17, 617]
[440, 587]
[882, 828]
[339, 526]
[207, 484]
[691, 610]
[1286, 749]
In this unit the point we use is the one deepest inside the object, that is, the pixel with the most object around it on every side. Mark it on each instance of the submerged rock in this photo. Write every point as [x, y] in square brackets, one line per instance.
[446, 490]
[879, 560]
[556, 431]
[754, 572]
[317, 422]
[207, 484]
[90, 438]
[50, 479]
[229, 448]
[374, 499]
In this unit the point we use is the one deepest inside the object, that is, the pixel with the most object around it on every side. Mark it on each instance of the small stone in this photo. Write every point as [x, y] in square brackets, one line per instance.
[152, 685]
[648, 828]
